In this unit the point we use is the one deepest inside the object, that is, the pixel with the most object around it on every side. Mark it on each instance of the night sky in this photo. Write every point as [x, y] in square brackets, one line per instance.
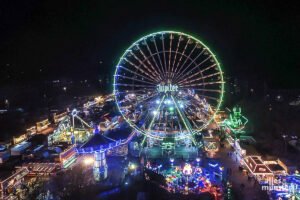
[47, 40]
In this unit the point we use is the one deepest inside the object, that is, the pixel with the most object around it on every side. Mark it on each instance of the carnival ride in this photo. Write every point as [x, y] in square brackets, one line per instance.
[69, 133]
[189, 178]
[89, 140]
[168, 86]
[235, 124]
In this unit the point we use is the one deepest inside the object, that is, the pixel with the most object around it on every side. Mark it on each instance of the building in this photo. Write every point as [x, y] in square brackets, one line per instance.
[257, 167]
[19, 139]
[31, 131]
[276, 167]
[19, 148]
[59, 117]
[41, 169]
[12, 182]
[42, 125]
[67, 157]
[4, 156]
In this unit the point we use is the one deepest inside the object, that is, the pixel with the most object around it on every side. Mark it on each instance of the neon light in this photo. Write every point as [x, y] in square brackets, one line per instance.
[167, 88]
[213, 165]
[101, 148]
[187, 169]
[235, 123]
[69, 162]
[142, 39]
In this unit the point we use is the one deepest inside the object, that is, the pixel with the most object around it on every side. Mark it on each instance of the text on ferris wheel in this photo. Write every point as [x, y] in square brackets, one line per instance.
[167, 88]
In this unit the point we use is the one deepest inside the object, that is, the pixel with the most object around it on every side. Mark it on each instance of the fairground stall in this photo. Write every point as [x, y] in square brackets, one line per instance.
[13, 181]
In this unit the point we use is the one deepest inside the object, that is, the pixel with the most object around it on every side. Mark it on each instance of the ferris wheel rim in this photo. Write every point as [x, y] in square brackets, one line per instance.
[217, 64]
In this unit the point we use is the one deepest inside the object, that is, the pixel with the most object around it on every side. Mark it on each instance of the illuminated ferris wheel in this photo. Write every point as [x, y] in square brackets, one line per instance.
[168, 85]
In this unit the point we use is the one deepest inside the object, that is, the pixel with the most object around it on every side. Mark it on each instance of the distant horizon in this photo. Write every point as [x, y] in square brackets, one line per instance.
[41, 40]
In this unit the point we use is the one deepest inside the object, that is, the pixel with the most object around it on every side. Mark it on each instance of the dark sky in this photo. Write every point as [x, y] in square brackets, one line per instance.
[53, 39]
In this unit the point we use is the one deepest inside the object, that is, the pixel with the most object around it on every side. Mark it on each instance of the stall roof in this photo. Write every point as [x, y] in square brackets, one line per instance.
[275, 167]
[42, 167]
[22, 146]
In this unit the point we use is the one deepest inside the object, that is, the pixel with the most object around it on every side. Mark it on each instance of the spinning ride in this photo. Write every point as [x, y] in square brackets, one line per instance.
[168, 86]
[235, 124]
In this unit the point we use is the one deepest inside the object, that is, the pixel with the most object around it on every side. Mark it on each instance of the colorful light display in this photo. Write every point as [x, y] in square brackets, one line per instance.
[40, 126]
[189, 179]
[19, 139]
[66, 133]
[67, 157]
[187, 169]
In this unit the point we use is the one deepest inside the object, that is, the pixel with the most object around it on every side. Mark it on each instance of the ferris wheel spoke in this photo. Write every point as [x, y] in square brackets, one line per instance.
[130, 78]
[198, 72]
[178, 44]
[133, 72]
[134, 85]
[163, 45]
[141, 70]
[148, 61]
[154, 60]
[162, 67]
[209, 67]
[205, 83]
[197, 79]
[193, 61]
[143, 64]
[170, 51]
[183, 53]
[143, 91]
[183, 64]
[198, 65]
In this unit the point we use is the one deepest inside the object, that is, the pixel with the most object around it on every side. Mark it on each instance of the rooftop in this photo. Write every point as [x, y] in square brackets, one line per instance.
[275, 167]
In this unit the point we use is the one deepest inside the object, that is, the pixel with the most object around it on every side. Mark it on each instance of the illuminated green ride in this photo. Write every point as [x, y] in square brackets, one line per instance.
[235, 123]
[168, 86]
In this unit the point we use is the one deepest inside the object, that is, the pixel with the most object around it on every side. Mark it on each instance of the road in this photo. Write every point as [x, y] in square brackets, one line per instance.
[252, 190]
